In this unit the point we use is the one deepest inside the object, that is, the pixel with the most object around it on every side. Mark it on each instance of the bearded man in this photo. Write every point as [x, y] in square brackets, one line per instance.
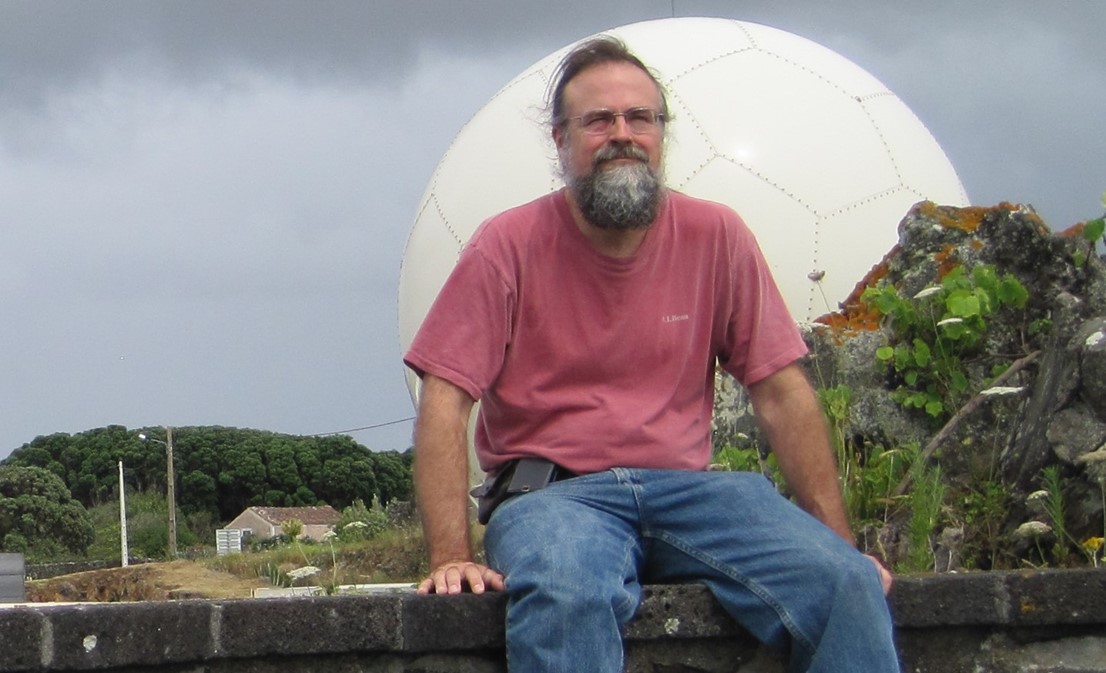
[589, 323]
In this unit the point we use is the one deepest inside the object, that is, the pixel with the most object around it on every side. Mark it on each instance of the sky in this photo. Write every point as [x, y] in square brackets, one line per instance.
[204, 205]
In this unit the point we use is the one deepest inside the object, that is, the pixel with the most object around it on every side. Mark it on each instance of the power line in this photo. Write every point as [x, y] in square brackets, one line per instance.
[367, 427]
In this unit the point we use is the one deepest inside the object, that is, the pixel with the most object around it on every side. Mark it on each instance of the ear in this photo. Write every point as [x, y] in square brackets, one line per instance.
[558, 137]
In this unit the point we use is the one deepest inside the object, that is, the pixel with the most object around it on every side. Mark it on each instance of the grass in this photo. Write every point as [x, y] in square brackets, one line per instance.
[396, 555]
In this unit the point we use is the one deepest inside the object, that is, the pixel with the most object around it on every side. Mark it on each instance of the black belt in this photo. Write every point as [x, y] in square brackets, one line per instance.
[561, 473]
[519, 476]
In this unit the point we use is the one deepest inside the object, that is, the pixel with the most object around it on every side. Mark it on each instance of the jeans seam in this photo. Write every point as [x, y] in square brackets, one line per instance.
[626, 603]
[759, 591]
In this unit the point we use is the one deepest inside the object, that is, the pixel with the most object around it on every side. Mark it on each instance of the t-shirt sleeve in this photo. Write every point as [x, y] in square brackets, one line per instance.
[762, 335]
[466, 332]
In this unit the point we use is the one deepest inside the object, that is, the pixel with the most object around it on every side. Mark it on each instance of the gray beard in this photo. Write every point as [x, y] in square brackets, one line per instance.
[619, 197]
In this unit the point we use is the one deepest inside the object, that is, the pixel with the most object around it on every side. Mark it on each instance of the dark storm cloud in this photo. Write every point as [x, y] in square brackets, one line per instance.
[203, 203]
[45, 46]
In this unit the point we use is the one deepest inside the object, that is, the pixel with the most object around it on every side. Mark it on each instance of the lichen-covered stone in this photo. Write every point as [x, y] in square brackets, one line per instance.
[1056, 412]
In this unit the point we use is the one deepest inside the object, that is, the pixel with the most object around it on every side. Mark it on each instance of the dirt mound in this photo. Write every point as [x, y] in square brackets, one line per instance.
[145, 582]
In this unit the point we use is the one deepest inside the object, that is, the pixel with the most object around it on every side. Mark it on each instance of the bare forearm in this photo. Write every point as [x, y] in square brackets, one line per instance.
[441, 472]
[792, 420]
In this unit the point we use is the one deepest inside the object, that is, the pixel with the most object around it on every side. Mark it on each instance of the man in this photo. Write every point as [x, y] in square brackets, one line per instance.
[589, 323]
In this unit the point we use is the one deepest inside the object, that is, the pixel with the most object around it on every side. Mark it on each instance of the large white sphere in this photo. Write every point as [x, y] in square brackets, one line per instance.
[820, 159]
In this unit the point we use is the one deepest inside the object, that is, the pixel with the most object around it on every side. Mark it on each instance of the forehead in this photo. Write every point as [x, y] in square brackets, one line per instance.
[614, 86]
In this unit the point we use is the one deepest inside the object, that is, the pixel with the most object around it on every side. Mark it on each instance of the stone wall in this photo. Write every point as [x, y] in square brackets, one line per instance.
[41, 571]
[997, 622]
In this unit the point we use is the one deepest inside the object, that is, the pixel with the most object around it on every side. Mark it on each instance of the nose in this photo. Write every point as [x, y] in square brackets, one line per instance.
[620, 129]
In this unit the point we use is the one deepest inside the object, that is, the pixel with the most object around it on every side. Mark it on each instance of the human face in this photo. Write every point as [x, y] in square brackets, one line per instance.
[615, 86]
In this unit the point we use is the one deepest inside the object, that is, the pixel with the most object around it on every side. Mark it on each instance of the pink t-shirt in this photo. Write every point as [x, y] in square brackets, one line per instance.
[595, 362]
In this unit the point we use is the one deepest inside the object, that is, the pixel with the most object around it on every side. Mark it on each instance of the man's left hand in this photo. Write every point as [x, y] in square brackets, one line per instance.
[884, 575]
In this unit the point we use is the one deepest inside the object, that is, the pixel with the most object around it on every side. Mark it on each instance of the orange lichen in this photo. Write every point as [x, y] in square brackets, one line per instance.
[1074, 231]
[857, 315]
[872, 278]
[851, 320]
[1027, 213]
[946, 260]
[965, 219]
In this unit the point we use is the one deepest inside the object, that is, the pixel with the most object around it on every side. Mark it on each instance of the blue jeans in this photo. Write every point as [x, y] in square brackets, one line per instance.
[576, 554]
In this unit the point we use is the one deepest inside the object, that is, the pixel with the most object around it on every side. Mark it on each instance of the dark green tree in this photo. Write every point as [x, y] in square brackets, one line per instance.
[38, 515]
[220, 471]
[346, 474]
[393, 475]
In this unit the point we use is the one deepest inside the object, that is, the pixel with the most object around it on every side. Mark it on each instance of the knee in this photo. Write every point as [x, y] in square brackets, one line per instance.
[844, 580]
[850, 573]
[853, 591]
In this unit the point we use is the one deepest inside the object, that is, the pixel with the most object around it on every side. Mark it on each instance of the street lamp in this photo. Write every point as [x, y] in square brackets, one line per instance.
[170, 486]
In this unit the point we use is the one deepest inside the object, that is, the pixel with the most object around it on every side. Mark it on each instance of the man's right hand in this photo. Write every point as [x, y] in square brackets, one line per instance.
[452, 577]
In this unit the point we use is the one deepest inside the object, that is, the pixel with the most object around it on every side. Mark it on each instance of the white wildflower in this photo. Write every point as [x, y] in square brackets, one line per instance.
[1032, 529]
[1036, 500]
[1095, 464]
[355, 524]
[329, 535]
[929, 291]
[306, 571]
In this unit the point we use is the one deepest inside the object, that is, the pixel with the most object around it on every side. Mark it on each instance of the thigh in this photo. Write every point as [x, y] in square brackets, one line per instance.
[736, 519]
[773, 566]
[575, 540]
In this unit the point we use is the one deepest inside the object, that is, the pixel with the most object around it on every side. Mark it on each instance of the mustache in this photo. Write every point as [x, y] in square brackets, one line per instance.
[612, 152]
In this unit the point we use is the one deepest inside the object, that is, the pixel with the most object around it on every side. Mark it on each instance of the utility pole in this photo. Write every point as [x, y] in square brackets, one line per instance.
[123, 519]
[170, 487]
[171, 493]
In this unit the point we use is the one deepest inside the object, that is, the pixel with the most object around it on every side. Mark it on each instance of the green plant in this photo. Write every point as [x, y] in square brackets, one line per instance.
[983, 509]
[331, 586]
[935, 330]
[739, 459]
[926, 501]
[835, 403]
[869, 485]
[359, 522]
[292, 528]
[867, 473]
[1093, 231]
[1052, 483]
[274, 575]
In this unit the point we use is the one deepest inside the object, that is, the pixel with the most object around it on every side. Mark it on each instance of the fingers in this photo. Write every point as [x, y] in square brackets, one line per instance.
[493, 580]
[455, 576]
[885, 577]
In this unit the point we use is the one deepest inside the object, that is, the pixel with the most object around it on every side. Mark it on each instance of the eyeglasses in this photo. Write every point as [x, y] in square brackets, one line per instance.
[640, 120]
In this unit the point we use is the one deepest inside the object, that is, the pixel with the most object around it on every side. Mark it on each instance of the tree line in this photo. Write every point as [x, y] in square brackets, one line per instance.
[218, 470]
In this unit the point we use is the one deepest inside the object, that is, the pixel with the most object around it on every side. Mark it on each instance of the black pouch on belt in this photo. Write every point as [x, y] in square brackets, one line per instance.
[517, 477]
